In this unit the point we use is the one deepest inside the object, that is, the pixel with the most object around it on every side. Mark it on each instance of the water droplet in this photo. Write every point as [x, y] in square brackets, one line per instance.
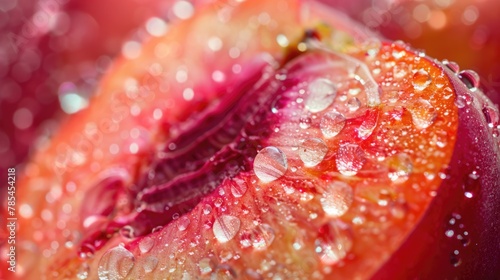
[421, 80]
[270, 164]
[207, 209]
[400, 70]
[127, 232]
[150, 264]
[206, 266]
[453, 66]
[260, 238]
[455, 259]
[183, 223]
[305, 122]
[353, 104]
[146, 244]
[238, 187]
[470, 78]
[223, 272]
[337, 198]
[334, 242]
[312, 151]
[350, 159]
[368, 125]
[83, 271]
[400, 167]
[331, 124]
[322, 92]
[226, 227]
[116, 263]
[491, 115]
[423, 113]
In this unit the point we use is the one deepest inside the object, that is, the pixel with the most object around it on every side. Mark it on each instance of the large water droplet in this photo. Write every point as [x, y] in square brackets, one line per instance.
[334, 242]
[150, 264]
[260, 238]
[421, 80]
[270, 164]
[322, 92]
[226, 227]
[470, 78]
[238, 187]
[146, 244]
[400, 167]
[423, 113]
[368, 125]
[337, 198]
[331, 124]
[312, 151]
[116, 263]
[350, 159]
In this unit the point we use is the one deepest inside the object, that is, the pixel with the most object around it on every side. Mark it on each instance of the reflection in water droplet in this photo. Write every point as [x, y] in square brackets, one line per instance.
[150, 264]
[312, 151]
[322, 92]
[350, 159]
[334, 242]
[146, 244]
[226, 227]
[116, 263]
[238, 187]
[337, 198]
[453, 66]
[421, 80]
[331, 124]
[423, 113]
[470, 78]
[400, 167]
[270, 164]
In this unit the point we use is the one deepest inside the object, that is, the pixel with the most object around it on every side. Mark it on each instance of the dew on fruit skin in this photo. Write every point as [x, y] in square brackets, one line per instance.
[331, 124]
[83, 271]
[334, 242]
[337, 198]
[322, 93]
[400, 167]
[226, 227]
[453, 66]
[146, 244]
[305, 122]
[423, 114]
[206, 266]
[421, 80]
[350, 159]
[312, 151]
[116, 263]
[470, 78]
[270, 164]
[238, 187]
[150, 264]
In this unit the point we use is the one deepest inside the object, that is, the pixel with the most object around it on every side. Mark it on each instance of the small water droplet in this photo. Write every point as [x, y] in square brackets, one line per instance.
[423, 113]
[83, 271]
[183, 223]
[337, 198]
[421, 80]
[350, 159]
[127, 232]
[353, 104]
[322, 92]
[305, 122]
[223, 272]
[368, 125]
[116, 263]
[270, 164]
[491, 115]
[207, 209]
[260, 238]
[206, 266]
[400, 167]
[150, 264]
[226, 227]
[455, 259]
[453, 66]
[312, 151]
[331, 124]
[400, 70]
[470, 78]
[238, 187]
[334, 242]
[146, 244]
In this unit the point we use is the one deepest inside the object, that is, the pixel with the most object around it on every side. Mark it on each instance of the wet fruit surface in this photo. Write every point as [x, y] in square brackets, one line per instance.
[249, 143]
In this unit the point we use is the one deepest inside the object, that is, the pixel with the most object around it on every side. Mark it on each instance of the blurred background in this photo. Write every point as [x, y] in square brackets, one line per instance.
[53, 52]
